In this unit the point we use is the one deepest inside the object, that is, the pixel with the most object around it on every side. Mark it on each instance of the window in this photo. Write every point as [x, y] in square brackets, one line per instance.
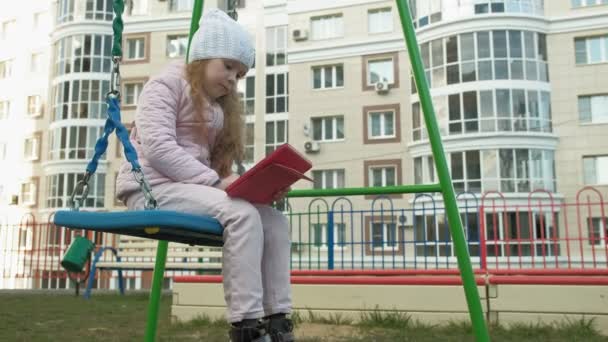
[518, 110]
[597, 228]
[5, 109]
[384, 235]
[277, 92]
[74, 142]
[432, 237]
[34, 107]
[523, 170]
[276, 135]
[584, 3]
[381, 173]
[59, 188]
[424, 170]
[327, 27]
[319, 235]
[590, 50]
[246, 87]
[80, 99]
[9, 29]
[83, 53]
[485, 55]
[325, 77]
[417, 127]
[28, 192]
[36, 60]
[177, 45]
[132, 91]
[31, 150]
[522, 233]
[383, 68]
[380, 70]
[65, 11]
[249, 143]
[380, 20]
[427, 12]
[593, 109]
[329, 128]
[136, 49]
[382, 176]
[99, 10]
[180, 5]
[6, 68]
[504, 170]
[136, 7]
[595, 169]
[381, 124]
[276, 45]
[466, 171]
[328, 179]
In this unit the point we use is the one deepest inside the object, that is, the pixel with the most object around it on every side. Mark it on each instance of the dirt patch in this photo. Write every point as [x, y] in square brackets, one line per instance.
[326, 332]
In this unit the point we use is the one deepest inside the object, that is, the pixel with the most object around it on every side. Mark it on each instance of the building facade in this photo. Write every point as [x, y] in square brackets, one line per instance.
[516, 86]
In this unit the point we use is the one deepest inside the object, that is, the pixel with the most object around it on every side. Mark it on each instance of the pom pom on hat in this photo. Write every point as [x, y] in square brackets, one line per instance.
[219, 36]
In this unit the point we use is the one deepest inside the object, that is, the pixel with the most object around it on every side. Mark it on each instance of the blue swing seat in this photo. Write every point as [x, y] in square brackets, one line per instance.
[152, 224]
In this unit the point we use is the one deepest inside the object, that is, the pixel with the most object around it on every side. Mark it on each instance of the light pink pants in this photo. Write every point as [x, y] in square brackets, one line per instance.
[256, 252]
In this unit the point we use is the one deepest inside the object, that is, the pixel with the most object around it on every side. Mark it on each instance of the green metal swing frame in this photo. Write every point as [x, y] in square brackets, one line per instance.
[444, 186]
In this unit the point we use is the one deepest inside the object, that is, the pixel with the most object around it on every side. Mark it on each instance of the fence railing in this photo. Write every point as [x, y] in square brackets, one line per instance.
[537, 233]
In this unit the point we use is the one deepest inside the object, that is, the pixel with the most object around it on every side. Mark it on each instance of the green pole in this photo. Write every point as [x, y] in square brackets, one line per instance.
[386, 190]
[197, 12]
[443, 173]
[157, 285]
[163, 246]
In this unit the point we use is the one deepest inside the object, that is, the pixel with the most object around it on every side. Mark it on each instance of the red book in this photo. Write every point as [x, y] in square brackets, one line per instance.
[271, 175]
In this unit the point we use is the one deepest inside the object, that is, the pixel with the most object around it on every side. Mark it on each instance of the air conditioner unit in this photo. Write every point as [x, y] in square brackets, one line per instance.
[312, 147]
[299, 34]
[406, 218]
[381, 87]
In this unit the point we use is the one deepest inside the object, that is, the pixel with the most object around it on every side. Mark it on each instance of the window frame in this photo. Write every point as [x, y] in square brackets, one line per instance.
[34, 183]
[367, 86]
[322, 120]
[367, 127]
[36, 147]
[145, 49]
[369, 165]
[129, 82]
[323, 81]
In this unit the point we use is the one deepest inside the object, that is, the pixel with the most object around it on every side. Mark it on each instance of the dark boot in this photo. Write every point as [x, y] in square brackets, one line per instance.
[280, 328]
[248, 331]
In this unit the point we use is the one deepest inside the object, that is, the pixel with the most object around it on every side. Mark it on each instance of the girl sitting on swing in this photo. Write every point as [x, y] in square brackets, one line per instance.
[188, 132]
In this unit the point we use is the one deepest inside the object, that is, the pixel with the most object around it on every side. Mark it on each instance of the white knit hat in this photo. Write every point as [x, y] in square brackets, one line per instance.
[219, 36]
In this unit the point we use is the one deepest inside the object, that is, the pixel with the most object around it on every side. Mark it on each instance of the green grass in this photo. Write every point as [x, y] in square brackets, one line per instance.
[48, 316]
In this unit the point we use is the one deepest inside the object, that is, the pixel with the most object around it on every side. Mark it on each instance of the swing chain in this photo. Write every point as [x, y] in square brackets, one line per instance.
[81, 187]
[115, 78]
[150, 203]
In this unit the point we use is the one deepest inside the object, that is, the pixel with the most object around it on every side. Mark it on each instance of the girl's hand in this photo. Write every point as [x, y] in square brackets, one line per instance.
[279, 196]
[225, 182]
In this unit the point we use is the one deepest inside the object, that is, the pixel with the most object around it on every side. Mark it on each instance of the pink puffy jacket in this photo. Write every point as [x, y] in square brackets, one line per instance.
[167, 135]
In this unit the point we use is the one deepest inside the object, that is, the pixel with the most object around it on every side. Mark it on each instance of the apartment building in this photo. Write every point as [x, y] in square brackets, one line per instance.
[516, 86]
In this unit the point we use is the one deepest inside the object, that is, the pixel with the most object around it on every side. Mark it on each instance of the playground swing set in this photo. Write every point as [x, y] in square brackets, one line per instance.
[170, 226]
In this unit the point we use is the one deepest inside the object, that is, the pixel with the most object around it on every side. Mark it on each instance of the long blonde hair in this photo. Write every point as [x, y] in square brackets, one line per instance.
[228, 146]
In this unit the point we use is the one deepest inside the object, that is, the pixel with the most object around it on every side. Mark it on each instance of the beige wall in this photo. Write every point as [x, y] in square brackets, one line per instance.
[568, 81]
[563, 8]
[355, 24]
[505, 304]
